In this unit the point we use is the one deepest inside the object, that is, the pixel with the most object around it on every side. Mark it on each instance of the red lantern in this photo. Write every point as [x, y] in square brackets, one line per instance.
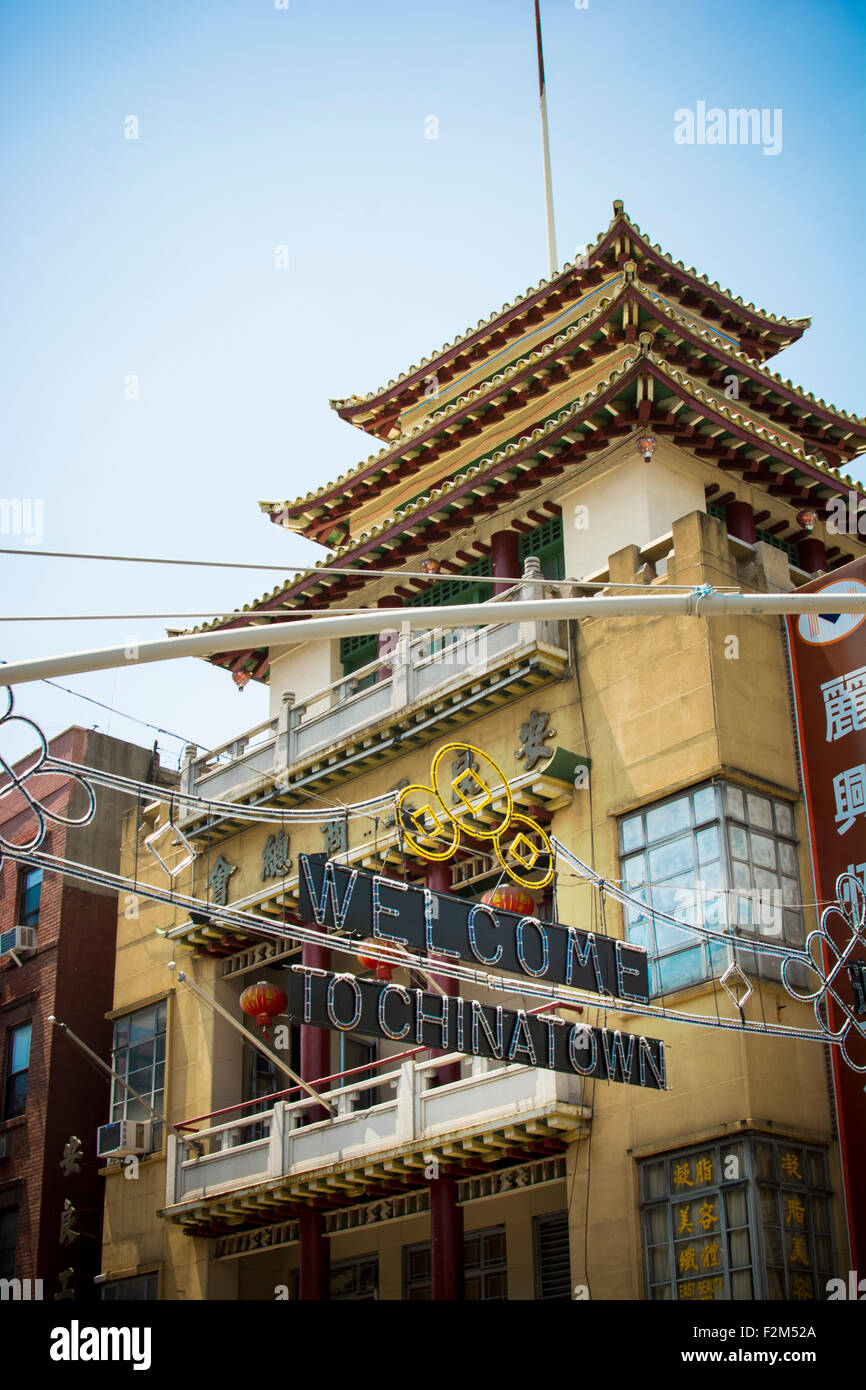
[510, 900]
[263, 1002]
[383, 971]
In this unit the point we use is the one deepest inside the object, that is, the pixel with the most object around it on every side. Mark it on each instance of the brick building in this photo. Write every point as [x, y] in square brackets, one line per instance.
[60, 962]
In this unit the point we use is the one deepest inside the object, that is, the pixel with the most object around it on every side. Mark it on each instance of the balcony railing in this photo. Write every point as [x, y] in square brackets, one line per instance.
[427, 666]
[417, 1114]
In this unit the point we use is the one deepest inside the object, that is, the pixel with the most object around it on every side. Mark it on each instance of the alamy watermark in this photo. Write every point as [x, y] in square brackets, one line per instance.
[737, 126]
[730, 907]
[24, 517]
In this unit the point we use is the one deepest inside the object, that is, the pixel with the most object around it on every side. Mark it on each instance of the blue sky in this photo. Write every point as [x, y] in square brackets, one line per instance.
[305, 128]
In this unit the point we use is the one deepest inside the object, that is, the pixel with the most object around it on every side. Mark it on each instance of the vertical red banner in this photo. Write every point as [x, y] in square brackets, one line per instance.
[828, 661]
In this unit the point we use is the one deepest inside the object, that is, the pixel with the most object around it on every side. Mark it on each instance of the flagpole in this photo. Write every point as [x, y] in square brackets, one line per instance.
[545, 145]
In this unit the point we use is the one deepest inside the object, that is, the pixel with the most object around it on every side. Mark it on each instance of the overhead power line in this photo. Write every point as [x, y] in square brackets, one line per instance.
[119, 712]
[313, 570]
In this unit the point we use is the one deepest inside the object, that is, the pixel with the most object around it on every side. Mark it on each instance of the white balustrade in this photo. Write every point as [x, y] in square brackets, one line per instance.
[411, 1110]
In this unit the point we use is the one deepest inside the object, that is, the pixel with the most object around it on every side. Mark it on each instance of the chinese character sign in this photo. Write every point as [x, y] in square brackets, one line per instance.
[828, 662]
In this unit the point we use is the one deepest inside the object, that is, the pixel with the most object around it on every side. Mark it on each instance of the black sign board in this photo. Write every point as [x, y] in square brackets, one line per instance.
[354, 901]
[416, 1016]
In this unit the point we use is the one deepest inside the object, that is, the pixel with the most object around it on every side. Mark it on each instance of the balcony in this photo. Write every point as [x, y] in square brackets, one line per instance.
[271, 1163]
[438, 679]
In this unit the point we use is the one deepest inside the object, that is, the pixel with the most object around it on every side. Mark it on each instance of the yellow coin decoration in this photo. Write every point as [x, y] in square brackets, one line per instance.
[421, 838]
[433, 832]
[520, 857]
[472, 790]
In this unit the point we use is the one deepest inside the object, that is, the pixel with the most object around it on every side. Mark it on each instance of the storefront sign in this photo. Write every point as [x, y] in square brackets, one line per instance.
[351, 900]
[828, 659]
[419, 1017]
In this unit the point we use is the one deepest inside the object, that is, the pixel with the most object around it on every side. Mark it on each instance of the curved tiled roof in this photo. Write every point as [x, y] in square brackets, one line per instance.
[355, 402]
[550, 348]
[739, 419]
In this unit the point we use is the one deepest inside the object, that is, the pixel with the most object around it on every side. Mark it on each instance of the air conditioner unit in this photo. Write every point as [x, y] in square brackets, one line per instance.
[17, 939]
[123, 1137]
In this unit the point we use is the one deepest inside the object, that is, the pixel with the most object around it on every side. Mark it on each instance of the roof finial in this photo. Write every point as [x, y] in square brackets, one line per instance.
[617, 207]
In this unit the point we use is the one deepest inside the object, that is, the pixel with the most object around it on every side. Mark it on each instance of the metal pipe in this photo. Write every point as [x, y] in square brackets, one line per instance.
[545, 148]
[698, 603]
[115, 1076]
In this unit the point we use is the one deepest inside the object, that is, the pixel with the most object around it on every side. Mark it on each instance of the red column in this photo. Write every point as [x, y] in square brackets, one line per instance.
[505, 557]
[812, 555]
[446, 1240]
[740, 521]
[387, 640]
[315, 1256]
[315, 1063]
[315, 1042]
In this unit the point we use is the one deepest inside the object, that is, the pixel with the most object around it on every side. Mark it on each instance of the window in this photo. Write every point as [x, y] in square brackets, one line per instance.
[717, 855]
[485, 1268]
[358, 1052]
[139, 1057]
[552, 1256]
[355, 1280]
[17, 1066]
[8, 1241]
[359, 651]
[545, 542]
[29, 895]
[441, 591]
[141, 1286]
[485, 1265]
[741, 1220]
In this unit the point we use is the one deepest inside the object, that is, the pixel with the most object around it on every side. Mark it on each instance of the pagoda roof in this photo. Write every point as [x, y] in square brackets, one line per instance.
[762, 333]
[325, 514]
[730, 435]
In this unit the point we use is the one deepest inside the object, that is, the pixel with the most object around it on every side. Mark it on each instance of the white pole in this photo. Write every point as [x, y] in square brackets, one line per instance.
[287, 634]
[545, 147]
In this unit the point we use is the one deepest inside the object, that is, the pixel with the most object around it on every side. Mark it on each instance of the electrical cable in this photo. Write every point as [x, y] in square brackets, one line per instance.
[119, 712]
[300, 571]
[566, 996]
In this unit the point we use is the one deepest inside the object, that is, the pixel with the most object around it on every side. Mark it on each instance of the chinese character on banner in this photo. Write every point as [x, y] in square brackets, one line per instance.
[336, 833]
[688, 1259]
[532, 739]
[849, 789]
[708, 1217]
[64, 1277]
[685, 1226]
[795, 1212]
[710, 1255]
[465, 762]
[68, 1232]
[72, 1153]
[790, 1165]
[798, 1253]
[703, 1169]
[275, 856]
[801, 1287]
[682, 1175]
[845, 703]
[218, 880]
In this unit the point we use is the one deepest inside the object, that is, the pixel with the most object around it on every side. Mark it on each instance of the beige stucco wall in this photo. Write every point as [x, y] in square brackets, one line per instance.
[660, 704]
